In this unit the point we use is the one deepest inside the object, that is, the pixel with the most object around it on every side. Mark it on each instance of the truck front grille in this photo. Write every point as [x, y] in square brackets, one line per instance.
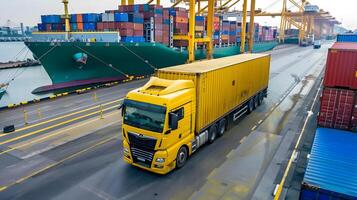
[140, 141]
[142, 157]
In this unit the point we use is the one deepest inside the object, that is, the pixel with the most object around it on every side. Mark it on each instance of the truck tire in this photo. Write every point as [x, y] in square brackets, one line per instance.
[222, 127]
[256, 101]
[212, 134]
[261, 97]
[251, 105]
[181, 157]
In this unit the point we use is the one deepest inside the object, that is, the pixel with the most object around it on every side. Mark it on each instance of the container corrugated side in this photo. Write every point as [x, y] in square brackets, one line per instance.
[341, 66]
[220, 90]
[347, 38]
[338, 109]
[331, 169]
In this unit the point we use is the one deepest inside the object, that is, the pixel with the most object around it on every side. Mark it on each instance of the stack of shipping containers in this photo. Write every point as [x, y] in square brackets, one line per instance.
[338, 98]
[331, 170]
[151, 23]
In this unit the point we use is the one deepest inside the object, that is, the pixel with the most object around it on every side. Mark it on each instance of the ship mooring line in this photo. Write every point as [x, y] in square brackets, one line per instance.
[55, 125]
[142, 59]
[61, 117]
[102, 61]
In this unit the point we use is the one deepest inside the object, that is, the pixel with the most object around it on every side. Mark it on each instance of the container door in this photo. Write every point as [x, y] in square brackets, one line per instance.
[344, 109]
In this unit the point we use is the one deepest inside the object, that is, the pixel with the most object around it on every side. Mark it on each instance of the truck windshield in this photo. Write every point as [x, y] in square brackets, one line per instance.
[143, 115]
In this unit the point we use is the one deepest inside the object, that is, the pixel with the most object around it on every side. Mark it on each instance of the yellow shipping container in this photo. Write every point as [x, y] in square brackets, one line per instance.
[222, 85]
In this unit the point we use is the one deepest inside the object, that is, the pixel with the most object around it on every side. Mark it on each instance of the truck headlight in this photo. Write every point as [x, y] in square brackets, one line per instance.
[160, 160]
[126, 150]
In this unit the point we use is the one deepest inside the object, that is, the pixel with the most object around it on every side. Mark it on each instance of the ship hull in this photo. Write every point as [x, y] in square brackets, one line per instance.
[110, 61]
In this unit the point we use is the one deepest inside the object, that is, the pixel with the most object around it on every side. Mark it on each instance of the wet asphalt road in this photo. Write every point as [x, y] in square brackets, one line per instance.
[101, 174]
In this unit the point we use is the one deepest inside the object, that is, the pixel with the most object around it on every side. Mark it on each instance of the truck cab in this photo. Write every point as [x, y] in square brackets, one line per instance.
[158, 124]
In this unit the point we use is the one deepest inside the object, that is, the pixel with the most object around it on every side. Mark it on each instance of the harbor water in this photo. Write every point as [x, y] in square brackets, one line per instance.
[25, 80]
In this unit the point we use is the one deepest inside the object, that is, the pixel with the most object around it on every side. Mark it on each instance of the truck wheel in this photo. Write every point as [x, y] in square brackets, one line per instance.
[212, 134]
[181, 157]
[251, 105]
[256, 101]
[222, 127]
[260, 98]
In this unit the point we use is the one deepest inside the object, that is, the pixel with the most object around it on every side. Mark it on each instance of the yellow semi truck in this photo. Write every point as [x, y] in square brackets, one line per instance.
[183, 107]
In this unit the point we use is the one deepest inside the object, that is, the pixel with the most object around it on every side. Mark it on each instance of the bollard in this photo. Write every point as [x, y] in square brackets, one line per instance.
[26, 117]
[39, 113]
[101, 111]
[95, 98]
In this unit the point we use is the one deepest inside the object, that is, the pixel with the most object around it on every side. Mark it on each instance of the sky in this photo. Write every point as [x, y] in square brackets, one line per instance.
[29, 11]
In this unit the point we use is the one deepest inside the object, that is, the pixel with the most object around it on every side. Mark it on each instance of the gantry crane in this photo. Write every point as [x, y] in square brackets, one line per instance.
[210, 10]
[304, 21]
[66, 18]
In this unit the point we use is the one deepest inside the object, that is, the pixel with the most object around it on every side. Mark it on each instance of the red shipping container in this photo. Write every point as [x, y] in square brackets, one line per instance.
[111, 25]
[338, 109]
[100, 26]
[138, 27]
[126, 32]
[341, 66]
[126, 25]
[79, 26]
[138, 33]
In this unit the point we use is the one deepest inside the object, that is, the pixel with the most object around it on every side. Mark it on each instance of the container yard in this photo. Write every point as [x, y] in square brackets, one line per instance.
[179, 100]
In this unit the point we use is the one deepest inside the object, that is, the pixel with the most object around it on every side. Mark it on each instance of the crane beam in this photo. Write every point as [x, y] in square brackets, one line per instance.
[251, 27]
[244, 23]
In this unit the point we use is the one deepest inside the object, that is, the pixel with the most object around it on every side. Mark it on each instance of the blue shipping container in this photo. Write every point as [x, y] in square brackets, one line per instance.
[41, 27]
[90, 18]
[74, 27]
[89, 26]
[347, 38]
[135, 18]
[331, 172]
[121, 17]
[200, 18]
[73, 18]
[53, 19]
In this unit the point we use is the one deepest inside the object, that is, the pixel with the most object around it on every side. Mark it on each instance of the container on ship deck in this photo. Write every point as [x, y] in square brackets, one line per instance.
[180, 43]
[138, 33]
[158, 26]
[136, 17]
[347, 37]
[338, 109]
[90, 17]
[341, 66]
[80, 27]
[121, 17]
[108, 17]
[89, 26]
[125, 25]
[100, 26]
[138, 27]
[74, 27]
[126, 32]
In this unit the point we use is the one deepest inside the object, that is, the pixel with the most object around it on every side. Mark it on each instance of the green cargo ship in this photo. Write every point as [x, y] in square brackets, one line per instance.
[113, 61]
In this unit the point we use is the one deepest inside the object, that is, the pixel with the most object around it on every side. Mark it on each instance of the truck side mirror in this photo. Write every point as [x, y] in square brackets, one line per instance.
[122, 107]
[173, 121]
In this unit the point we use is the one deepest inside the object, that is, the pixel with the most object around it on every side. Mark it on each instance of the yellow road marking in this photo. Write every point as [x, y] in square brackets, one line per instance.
[2, 188]
[286, 172]
[61, 117]
[55, 125]
[52, 135]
